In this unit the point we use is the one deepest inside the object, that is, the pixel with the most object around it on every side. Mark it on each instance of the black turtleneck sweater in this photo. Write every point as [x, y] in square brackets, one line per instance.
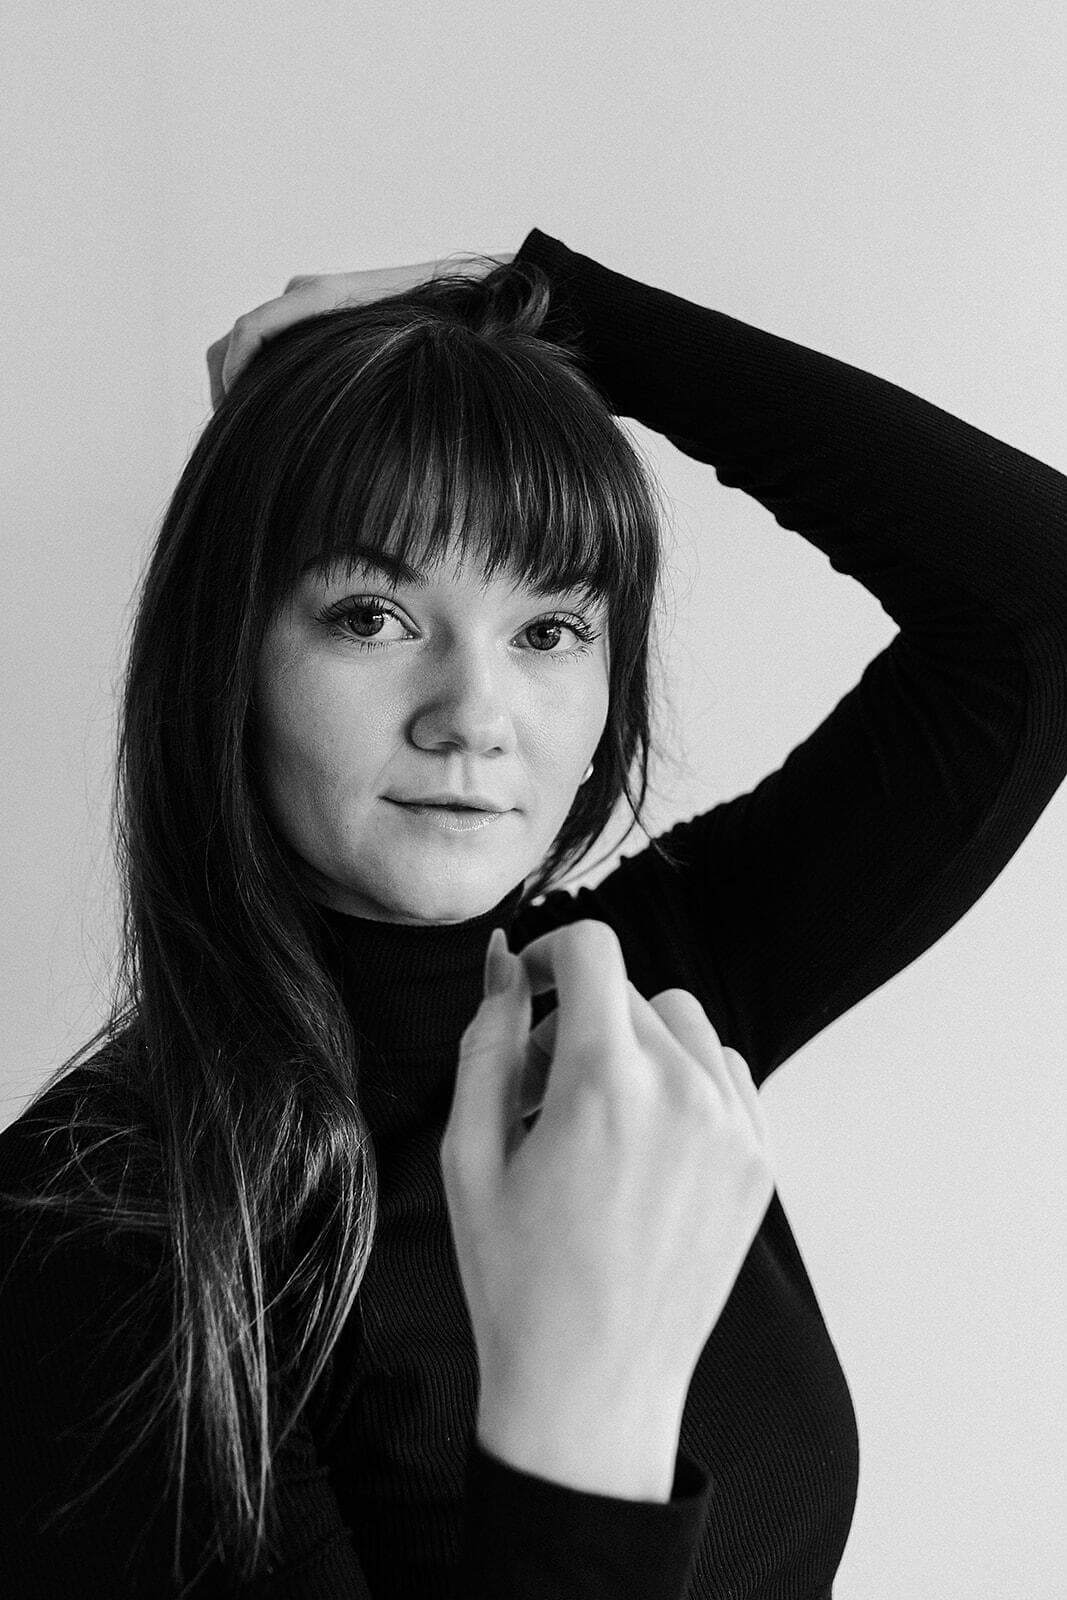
[790, 904]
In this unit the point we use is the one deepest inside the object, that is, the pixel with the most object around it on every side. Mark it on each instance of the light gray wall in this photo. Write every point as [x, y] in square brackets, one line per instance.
[882, 181]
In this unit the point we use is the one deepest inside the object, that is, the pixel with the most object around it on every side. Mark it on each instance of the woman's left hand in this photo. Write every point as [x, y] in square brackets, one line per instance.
[326, 291]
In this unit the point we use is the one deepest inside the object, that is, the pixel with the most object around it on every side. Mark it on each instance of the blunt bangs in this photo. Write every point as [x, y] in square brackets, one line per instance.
[448, 445]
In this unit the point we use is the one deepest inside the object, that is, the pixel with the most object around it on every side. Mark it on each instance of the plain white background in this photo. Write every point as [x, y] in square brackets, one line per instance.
[880, 180]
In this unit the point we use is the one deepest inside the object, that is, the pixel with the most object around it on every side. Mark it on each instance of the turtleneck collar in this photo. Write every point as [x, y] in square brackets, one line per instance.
[411, 988]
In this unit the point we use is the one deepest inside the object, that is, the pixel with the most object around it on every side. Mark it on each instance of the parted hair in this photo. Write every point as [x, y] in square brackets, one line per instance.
[214, 1122]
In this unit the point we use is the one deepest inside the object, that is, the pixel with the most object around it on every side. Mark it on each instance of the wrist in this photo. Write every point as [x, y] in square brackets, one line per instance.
[629, 1453]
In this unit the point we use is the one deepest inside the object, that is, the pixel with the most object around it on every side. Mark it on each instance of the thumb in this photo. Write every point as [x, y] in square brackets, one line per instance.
[486, 1100]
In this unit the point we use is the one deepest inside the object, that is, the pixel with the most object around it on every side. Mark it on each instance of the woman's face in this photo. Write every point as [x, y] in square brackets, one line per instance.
[375, 689]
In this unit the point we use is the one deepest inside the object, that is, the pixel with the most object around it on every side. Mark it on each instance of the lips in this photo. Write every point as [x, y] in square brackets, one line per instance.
[451, 802]
[451, 819]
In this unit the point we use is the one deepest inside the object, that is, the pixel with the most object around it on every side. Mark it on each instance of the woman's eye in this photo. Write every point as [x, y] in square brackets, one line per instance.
[363, 620]
[555, 626]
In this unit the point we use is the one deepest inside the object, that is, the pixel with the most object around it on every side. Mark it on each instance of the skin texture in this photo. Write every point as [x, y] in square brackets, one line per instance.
[469, 690]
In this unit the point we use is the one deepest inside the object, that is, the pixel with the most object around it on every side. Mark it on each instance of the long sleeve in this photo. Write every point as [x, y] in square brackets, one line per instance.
[527, 1538]
[76, 1327]
[892, 818]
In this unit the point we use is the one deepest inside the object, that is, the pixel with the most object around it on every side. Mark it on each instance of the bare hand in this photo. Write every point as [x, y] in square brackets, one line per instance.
[598, 1250]
[326, 291]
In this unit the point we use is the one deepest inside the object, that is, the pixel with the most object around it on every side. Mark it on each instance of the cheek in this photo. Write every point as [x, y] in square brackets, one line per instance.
[307, 754]
[593, 704]
[567, 727]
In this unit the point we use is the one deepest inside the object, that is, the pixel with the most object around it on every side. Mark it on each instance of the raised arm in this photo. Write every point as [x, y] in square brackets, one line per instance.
[891, 819]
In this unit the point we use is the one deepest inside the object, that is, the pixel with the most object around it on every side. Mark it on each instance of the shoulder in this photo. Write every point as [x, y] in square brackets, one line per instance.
[36, 1146]
[69, 1147]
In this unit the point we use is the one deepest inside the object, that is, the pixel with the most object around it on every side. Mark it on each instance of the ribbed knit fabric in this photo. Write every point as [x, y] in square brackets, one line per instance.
[789, 905]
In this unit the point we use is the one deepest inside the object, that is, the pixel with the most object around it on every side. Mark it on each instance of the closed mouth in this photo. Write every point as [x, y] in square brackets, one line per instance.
[447, 805]
[439, 805]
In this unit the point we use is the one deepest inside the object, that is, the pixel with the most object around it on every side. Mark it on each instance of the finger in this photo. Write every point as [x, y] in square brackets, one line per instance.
[583, 963]
[542, 1041]
[485, 1101]
[216, 354]
[676, 1025]
[543, 1037]
[749, 1094]
[541, 1044]
[306, 295]
[537, 1065]
[540, 1049]
[252, 330]
[691, 1025]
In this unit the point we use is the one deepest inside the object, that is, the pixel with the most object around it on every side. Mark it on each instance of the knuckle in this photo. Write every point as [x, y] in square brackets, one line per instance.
[598, 1113]
[684, 1005]
[600, 936]
[679, 997]
[740, 1065]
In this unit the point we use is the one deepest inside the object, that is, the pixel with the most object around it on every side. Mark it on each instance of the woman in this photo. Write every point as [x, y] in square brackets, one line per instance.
[402, 1335]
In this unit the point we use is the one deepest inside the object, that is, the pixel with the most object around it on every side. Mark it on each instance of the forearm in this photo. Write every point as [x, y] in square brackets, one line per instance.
[895, 490]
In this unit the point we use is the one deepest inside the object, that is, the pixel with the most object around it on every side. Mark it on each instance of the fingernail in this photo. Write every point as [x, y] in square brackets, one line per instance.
[498, 964]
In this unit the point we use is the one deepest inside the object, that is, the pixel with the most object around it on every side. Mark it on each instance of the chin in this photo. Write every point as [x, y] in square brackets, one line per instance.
[422, 903]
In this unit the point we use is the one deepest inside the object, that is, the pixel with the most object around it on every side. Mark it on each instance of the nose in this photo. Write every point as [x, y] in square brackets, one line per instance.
[463, 705]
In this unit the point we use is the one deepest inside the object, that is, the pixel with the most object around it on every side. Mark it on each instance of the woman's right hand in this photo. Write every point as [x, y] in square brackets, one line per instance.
[309, 295]
[598, 1250]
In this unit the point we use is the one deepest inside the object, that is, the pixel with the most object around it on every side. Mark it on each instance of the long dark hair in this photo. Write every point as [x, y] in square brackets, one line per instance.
[220, 1098]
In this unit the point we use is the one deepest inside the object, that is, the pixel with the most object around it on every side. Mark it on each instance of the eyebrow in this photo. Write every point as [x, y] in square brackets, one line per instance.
[355, 555]
[351, 556]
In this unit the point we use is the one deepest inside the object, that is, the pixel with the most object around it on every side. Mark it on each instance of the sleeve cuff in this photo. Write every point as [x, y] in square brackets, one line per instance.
[617, 328]
[565, 319]
[526, 1536]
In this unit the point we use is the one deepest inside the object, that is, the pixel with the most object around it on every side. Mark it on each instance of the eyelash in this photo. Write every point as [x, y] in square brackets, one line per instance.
[342, 610]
